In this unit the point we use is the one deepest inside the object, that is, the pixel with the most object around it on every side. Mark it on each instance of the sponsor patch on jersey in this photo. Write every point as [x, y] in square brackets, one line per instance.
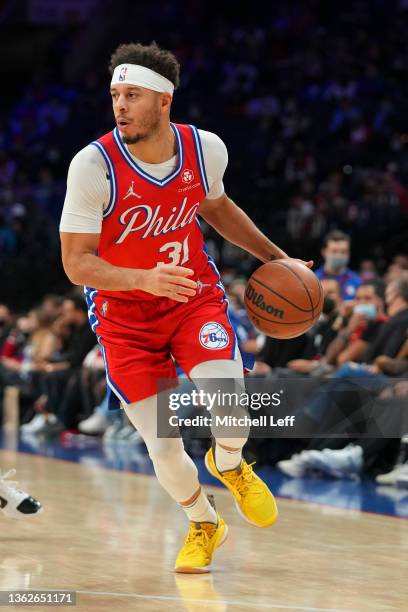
[213, 336]
[188, 187]
[187, 176]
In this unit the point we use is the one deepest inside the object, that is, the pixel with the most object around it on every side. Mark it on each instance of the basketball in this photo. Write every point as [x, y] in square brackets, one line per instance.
[283, 298]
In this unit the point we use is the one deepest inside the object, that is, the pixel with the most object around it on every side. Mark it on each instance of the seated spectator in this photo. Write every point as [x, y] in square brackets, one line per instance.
[51, 306]
[62, 380]
[370, 453]
[322, 333]
[14, 353]
[361, 327]
[336, 255]
[396, 366]
[28, 344]
[14, 345]
[276, 354]
[386, 352]
[385, 337]
[367, 270]
[6, 323]
[392, 335]
[398, 264]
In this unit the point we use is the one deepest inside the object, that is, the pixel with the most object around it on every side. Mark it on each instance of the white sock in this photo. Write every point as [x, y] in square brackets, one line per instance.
[226, 460]
[201, 511]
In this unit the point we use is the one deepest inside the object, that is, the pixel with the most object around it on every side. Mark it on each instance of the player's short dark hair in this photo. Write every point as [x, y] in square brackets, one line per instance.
[378, 286]
[150, 56]
[336, 236]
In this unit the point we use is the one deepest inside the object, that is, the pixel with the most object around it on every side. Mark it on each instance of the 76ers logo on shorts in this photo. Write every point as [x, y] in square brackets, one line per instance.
[187, 176]
[213, 336]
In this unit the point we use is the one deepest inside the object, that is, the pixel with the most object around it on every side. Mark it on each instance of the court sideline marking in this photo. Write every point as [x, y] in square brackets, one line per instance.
[231, 602]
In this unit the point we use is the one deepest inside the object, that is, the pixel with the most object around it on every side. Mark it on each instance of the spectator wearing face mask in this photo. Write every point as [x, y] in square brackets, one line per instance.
[391, 336]
[361, 327]
[387, 339]
[387, 343]
[384, 354]
[336, 255]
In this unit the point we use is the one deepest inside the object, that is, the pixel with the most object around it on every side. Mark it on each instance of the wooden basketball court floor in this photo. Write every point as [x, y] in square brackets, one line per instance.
[113, 536]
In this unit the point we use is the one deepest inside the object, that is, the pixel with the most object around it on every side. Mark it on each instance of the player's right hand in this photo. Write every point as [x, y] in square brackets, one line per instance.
[169, 281]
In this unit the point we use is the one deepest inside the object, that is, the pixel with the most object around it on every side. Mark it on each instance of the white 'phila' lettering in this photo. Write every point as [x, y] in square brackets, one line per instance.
[143, 217]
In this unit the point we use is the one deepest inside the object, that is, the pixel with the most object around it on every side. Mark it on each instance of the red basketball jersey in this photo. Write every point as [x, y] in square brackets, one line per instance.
[150, 220]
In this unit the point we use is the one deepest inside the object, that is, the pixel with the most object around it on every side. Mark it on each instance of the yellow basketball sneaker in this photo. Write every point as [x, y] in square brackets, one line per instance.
[195, 555]
[253, 499]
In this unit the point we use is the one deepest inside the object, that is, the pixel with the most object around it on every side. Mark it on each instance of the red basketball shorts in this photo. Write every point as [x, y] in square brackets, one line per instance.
[141, 340]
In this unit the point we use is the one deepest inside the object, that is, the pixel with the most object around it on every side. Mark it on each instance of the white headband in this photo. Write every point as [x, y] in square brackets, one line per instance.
[133, 74]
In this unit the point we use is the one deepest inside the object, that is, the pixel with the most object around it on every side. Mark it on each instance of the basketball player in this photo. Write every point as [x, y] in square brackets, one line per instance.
[15, 503]
[130, 234]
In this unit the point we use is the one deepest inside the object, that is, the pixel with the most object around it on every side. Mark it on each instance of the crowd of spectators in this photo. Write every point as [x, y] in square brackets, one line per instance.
[356, 353]
[312, 105]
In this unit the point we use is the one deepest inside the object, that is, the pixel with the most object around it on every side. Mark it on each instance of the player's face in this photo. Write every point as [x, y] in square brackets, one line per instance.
[137, 112]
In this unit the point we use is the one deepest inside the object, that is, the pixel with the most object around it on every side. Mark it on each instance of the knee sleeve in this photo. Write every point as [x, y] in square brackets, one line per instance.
[174, 469]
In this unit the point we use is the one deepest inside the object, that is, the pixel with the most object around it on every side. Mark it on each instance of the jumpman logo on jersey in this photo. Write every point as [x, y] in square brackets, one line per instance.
[200, 285]
[131, 192]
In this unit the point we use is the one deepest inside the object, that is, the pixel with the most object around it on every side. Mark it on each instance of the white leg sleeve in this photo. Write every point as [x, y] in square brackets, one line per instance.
[174, 468]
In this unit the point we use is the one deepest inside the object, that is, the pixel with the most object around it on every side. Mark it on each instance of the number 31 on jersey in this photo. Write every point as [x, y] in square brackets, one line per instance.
[177, 252]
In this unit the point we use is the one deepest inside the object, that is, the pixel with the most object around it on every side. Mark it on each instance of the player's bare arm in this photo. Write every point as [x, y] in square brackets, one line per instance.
[233, 224]
[83, 267]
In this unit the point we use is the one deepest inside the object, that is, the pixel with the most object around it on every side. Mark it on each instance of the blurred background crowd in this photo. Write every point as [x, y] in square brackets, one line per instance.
[312, 105]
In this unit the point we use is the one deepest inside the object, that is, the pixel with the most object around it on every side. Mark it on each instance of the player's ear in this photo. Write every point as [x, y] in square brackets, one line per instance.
[165, 101]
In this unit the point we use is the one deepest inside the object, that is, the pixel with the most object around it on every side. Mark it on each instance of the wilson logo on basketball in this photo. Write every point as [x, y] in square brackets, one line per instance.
[258, 300]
